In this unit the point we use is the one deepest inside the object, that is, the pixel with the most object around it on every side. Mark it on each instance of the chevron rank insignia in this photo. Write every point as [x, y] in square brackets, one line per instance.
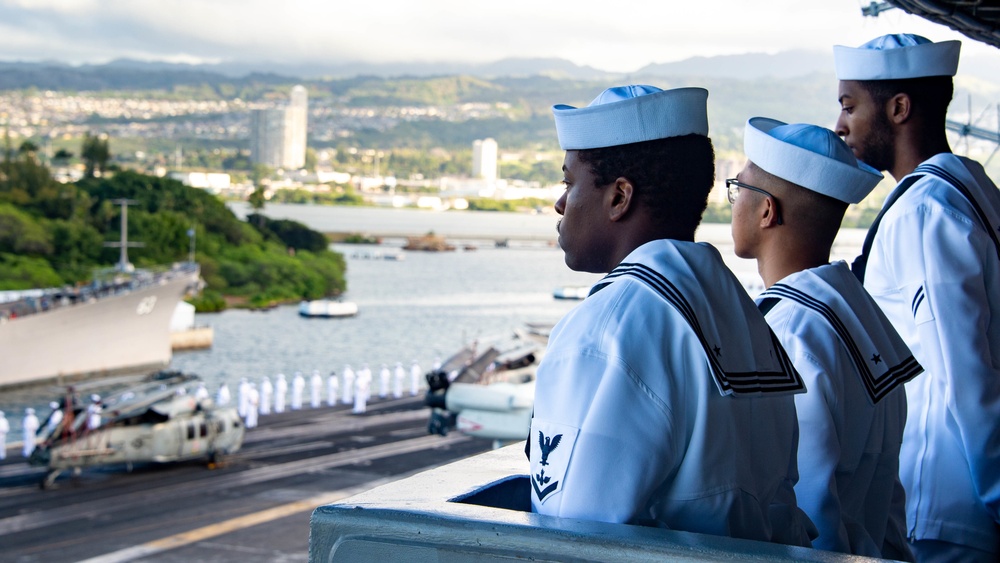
[551, 446]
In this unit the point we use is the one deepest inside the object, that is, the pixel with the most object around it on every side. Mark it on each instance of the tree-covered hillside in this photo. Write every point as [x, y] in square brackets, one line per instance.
[53, 234]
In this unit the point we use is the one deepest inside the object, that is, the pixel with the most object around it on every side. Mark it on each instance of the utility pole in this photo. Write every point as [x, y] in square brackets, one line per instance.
[191, 234]
[124, 266]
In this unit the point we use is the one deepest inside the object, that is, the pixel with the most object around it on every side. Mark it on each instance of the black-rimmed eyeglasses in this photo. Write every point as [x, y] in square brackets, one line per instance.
[733, 191]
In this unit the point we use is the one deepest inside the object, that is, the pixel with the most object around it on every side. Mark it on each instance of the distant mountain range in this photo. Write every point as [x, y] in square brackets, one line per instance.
[132, 74]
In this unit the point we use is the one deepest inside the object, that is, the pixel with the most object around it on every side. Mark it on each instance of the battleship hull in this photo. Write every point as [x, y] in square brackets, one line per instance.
[129, 331]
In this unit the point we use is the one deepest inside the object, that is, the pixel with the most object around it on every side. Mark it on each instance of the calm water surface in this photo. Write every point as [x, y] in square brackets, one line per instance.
[423, 307]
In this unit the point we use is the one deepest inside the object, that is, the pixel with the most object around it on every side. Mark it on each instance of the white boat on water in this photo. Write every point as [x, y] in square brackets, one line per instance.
[571, 292]
[324, 308]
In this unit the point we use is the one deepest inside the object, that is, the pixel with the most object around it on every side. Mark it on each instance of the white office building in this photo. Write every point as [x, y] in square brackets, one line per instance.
[278, 135]
[484, 159]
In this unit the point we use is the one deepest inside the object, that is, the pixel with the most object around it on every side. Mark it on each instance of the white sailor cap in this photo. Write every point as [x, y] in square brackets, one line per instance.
[809, 156]
[632, 114]
[898, 56]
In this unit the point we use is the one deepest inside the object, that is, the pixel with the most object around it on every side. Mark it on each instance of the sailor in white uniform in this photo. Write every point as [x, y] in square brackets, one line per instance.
[658, 402]
[788, 203]
[55, 418]
[222, 396]
[332, 389]
[253, 406]
[348, 387]
[280, 392]
[315, 389]
[414, 378]
[29, 427]
[94, 413]
[298, 386]
[201, 392]
[365, 373]
[399, 374]
[933, 265]
[266, 396]
[362, 388]
[383, 381]
[4, 429]
[241, 397]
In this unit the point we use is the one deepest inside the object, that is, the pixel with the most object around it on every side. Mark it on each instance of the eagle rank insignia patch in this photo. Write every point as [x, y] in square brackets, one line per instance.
[551, 448]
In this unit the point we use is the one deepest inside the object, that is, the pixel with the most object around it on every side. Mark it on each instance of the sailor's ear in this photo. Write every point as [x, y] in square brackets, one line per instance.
[769, 215]
[899, 108]
[620, 198]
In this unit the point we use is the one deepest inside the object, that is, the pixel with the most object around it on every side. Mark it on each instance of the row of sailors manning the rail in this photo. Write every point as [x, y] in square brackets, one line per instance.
[252, 401]
[853, 411]
[349, 388]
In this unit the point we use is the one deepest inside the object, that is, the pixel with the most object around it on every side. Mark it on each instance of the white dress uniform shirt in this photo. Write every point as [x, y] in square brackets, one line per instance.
[223, 396]
[851, 418]
[29, 427]
[266, 394]
[298, 386]
[332, 389]
[399, 374]
[665, 399]
[935, 271]
[4, 429]
[414, 378]
[315, 389]
[348, 387]
[280, 391]
[384, 376]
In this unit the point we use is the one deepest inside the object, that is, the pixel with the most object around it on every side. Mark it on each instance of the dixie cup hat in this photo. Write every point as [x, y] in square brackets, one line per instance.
[809, 156]
[898, 56]
[631, 114]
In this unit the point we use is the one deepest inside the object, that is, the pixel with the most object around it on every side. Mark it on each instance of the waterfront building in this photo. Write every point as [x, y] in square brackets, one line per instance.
[278, 135]
[484, 159]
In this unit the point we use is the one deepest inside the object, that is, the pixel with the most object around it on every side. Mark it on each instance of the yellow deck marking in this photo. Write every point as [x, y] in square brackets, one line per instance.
[221, 528]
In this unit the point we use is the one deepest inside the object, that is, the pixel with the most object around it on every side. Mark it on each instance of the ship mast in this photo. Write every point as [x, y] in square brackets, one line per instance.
[124, 266]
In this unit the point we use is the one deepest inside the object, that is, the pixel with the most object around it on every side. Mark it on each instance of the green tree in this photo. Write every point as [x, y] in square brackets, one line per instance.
[96, 153]
[257, 200]
[28, 147]
[259, 173]
[311, 159]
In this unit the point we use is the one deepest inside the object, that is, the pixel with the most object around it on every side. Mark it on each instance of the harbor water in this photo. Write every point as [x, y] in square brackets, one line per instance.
[423, 307]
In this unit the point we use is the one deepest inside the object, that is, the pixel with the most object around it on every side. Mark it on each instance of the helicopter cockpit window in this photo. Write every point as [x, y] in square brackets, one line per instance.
[190, 430]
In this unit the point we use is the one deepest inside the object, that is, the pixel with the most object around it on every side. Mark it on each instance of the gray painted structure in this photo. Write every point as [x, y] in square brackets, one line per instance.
[128, 330]
[477, 510]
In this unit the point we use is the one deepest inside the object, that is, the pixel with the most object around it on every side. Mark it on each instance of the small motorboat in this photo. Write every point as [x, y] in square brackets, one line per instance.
[571, 292]
[324, 308]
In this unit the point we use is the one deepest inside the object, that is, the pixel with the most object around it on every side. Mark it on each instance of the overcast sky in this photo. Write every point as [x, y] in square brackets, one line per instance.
[612, 35]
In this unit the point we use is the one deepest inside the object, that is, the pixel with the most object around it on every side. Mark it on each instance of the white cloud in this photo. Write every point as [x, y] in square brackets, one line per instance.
[620, 36]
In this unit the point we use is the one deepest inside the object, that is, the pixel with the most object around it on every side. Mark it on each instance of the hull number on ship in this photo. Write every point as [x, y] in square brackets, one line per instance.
[145, 306]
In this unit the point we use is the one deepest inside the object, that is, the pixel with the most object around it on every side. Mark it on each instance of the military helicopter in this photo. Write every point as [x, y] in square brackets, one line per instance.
[159, 420]
[488, 393]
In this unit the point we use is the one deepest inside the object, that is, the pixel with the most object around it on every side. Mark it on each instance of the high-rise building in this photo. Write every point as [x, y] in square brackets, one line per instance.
[278, 136]
[484, 159]
[295, 128]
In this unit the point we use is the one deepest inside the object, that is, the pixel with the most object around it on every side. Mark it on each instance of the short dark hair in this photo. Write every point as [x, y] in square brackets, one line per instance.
[930, 95]
[672, 177]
